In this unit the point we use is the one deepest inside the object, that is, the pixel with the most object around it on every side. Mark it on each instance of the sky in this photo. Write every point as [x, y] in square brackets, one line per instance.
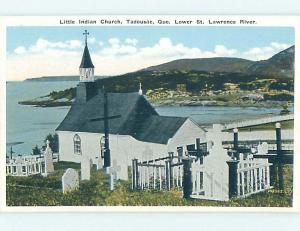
[51, 51]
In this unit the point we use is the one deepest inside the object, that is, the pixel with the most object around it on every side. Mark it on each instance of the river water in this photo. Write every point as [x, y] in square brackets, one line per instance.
[30, 124]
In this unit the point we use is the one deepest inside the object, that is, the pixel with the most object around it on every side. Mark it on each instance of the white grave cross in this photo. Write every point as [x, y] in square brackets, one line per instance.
[262, 148]
[48, 156]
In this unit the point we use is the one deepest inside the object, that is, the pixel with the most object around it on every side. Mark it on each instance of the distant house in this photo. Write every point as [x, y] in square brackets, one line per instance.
[253, 97]
[140, 131]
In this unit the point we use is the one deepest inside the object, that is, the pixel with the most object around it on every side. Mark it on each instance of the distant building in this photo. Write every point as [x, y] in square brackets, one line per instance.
[181, 87]
[253, 97]
[139, 132]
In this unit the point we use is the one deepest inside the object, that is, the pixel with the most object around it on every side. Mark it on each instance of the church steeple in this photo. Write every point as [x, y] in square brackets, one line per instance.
[86, 68]
[140, 90]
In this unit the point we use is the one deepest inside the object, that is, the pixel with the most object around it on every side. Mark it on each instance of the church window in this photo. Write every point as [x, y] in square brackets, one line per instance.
[77, 145]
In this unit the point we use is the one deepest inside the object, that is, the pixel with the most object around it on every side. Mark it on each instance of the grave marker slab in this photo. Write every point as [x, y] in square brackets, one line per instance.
[19, 166]
[113, 171]
[85, 168]
[48, 156]
[262, 148]
[70, 180]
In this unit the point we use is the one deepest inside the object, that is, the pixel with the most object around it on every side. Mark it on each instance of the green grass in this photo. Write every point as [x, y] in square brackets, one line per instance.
[40, 191]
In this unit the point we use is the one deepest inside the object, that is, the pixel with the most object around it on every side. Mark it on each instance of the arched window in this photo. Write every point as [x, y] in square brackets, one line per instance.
[77, 145]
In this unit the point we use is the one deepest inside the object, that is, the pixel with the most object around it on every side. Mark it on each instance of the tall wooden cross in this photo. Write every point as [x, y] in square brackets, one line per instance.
[106, 118]
[200, 150]
[86, 33]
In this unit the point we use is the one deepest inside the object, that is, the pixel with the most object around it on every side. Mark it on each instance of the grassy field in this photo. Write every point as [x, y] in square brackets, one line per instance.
[40, 191]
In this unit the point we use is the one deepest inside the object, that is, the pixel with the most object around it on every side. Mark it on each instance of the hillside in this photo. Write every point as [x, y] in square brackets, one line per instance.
[59, 78]
[279, 65]
[221, 81]
[219, 64]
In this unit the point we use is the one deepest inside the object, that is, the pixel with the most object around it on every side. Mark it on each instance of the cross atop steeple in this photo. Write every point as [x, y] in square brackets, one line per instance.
[86, 33]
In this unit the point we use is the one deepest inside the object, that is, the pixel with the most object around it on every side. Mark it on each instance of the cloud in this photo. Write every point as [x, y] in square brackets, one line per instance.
[115, 56]
[91, 40]
[221, 50]
[46, 46]
[131, 41]
[20, 50]
[114, 41]
[262, 53]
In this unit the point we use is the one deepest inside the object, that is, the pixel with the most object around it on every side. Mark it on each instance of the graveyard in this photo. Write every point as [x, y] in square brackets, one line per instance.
[115, 149]
[40, 191]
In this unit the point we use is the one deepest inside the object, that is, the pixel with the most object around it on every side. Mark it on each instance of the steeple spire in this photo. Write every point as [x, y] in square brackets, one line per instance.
[86, 68]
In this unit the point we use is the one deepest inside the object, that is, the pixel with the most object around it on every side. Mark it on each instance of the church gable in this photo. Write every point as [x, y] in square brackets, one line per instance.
[130, 106]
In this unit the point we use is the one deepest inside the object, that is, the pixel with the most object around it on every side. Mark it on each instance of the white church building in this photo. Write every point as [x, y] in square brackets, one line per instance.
[140, 132]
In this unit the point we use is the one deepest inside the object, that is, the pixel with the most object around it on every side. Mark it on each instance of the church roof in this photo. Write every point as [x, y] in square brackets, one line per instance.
[138, 118]
[86, 61]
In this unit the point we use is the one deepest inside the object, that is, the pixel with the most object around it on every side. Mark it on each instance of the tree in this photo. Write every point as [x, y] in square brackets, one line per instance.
[36, 150]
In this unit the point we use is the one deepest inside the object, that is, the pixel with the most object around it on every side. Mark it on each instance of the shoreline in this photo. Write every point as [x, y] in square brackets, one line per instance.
[187, 103]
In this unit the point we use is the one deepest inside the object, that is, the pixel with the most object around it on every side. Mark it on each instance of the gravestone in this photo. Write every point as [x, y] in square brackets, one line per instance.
[216, 179]
[70, 180]
[19, 161]
[48, 156]
[114, 170]
[99, 163]
[86, 164]
[263, 148]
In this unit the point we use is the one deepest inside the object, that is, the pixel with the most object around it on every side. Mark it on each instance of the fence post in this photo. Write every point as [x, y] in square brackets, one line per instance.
[279, 156]
[168, 174]
[187, 178]
[235, 138]
[135, 178]
[233, 177]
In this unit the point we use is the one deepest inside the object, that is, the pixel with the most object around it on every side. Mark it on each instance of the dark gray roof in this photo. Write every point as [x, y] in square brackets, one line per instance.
[138, 118]
[86, 61]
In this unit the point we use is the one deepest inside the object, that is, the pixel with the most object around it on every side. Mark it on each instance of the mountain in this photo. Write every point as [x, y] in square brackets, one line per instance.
[60, 78]
[279, 65]
[54, 78]
[218, 64]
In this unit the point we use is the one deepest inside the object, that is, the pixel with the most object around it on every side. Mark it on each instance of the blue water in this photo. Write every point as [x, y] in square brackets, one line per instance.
[30, 124]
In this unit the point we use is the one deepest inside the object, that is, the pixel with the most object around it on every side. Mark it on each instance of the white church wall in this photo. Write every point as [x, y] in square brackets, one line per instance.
[186, 135]
[123, 148]
[90, 145]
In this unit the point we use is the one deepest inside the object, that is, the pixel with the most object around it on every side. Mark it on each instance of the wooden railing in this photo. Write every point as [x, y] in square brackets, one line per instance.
[25, 166]
[253, 176]
[159, 174]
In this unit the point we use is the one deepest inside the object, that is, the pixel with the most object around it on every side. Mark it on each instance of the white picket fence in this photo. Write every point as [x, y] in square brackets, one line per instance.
[164, 173]
[198, 173]
[25, 166]
[203, 182]
[253, 176]
[284, 146]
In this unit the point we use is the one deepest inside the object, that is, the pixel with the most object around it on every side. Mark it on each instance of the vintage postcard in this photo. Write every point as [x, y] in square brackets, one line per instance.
[149, 113]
